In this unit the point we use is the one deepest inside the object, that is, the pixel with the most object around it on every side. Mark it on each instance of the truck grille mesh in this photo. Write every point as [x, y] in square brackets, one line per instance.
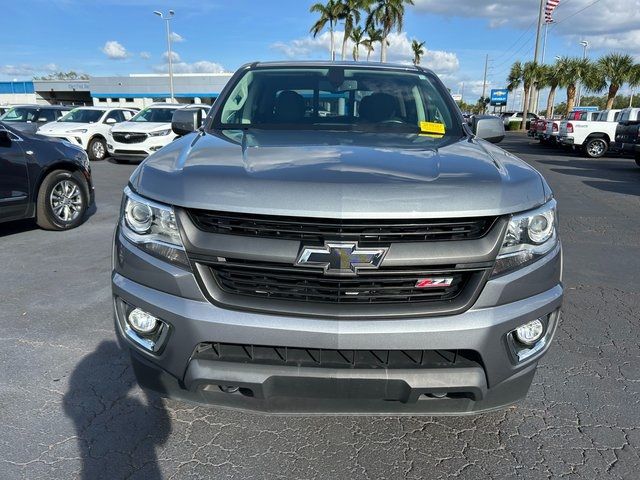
[362, 231]
[335, 358]
[285, 282]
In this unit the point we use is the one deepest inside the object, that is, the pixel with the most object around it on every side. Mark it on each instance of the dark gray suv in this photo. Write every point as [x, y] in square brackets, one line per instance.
[334, 237]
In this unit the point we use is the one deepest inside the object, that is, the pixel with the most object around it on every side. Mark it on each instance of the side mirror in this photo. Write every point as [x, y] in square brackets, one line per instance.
[110, 121]
[489, 128]
[5, 138]
[185, 121]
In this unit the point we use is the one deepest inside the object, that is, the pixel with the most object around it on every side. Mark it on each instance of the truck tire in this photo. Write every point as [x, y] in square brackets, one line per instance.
[62, 200]
[596, 147]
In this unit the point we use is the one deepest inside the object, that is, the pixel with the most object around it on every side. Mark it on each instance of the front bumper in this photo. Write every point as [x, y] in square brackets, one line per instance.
[496, 380]
[137, 151]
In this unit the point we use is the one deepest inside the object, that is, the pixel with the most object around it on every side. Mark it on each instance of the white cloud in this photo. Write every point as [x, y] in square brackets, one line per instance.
[399, 51]
[203, 66]
[115, 50]
[176, 37]
[175, 58]
[145, 55]
[27, 70]
[606, 25]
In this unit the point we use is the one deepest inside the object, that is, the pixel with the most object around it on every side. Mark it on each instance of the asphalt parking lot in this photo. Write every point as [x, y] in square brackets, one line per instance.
[69, 407]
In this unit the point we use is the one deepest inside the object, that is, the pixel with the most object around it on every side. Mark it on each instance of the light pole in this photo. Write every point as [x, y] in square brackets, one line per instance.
[584, 44]
[170, 56]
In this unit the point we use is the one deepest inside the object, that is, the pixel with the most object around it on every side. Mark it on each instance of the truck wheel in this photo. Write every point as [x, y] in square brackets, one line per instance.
[97, 149]
[62, 201]
[596, 147]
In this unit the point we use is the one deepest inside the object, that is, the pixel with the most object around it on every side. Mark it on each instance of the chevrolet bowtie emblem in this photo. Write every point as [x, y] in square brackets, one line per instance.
[341, 258]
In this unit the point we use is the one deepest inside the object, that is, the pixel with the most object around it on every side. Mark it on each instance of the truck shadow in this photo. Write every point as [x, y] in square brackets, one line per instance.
[118, 426]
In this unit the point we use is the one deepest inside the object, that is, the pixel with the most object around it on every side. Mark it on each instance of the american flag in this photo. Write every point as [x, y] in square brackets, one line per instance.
[549, 8]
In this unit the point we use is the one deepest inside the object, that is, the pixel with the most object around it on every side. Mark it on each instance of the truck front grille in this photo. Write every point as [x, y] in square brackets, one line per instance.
[362, 231]
[335, 358]
[285, 282]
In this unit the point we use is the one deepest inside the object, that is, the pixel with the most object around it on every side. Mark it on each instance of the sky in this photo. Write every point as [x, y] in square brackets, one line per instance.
[119, 37]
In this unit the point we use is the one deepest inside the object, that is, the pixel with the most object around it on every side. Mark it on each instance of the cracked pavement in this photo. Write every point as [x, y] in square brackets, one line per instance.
[69, 407]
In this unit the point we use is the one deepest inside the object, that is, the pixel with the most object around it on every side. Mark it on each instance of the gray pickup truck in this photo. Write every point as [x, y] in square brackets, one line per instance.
[333, 237]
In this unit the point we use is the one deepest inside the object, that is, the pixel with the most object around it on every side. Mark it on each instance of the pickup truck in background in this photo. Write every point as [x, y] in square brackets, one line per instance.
[593, 137]
[552, 130]
[627, 133]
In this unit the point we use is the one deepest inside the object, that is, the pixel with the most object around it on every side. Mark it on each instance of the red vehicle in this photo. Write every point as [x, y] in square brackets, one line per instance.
[537, 128]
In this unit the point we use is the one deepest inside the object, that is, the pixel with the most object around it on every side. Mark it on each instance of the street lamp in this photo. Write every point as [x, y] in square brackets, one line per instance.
[170, 56]
[584, 44]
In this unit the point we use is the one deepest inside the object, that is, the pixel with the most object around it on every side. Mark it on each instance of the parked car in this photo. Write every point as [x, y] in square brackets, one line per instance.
[45, 179]
[147, 132]
[628, 133]
[27, 118]
[384, 259]
[537, 128]
[509, 117]
[88, 128]
[593, 135]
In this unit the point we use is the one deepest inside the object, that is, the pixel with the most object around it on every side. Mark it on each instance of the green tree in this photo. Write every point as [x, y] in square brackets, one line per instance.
[418, 51]
[374, 36]
[388, 15]
[357, 37]
[329, 13]
[572, 71]
[526, 75]
[613, 70]
[70, 75]
[350, 13]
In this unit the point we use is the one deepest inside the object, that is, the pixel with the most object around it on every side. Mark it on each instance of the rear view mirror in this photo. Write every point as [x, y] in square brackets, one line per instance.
[185, 121]
[488, 128]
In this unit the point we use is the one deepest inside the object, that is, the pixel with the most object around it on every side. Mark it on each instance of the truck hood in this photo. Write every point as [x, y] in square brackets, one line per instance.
[339, 175]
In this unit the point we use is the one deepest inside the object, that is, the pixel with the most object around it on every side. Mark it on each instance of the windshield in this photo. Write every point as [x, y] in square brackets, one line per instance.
[20, 114]
[83, 116]
[161, 115]
[339, 98]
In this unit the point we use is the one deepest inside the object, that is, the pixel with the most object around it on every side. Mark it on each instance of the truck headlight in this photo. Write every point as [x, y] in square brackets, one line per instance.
[530, 235]
[152, 227]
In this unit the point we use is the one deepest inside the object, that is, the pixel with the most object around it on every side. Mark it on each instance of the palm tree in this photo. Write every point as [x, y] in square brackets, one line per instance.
[357, 37]
[328, 13]
[614, 69]
[375, 35]
[550, 77]
[389, 15]
[634, 81]
[350, 13]
[526, 75]
[418, 51]
[570, 72]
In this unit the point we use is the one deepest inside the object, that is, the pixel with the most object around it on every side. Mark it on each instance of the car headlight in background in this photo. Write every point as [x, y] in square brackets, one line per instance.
[152, 227]
[160, 133]
[78, 130]
[530, 235]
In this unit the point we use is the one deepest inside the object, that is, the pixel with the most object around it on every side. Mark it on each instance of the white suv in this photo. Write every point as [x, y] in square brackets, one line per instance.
[147, 132]
[87, 127]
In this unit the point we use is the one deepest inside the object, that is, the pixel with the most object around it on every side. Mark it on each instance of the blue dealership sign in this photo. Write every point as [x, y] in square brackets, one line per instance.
[499, 97]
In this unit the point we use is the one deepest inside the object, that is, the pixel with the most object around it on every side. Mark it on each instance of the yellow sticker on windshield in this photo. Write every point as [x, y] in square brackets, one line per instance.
[432, 128]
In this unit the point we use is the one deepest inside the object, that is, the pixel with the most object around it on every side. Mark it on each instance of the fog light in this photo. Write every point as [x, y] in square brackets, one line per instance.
[530, 332]
[142, 322]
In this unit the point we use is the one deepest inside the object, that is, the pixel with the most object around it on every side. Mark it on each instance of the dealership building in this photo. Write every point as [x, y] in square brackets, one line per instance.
[135, 90]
